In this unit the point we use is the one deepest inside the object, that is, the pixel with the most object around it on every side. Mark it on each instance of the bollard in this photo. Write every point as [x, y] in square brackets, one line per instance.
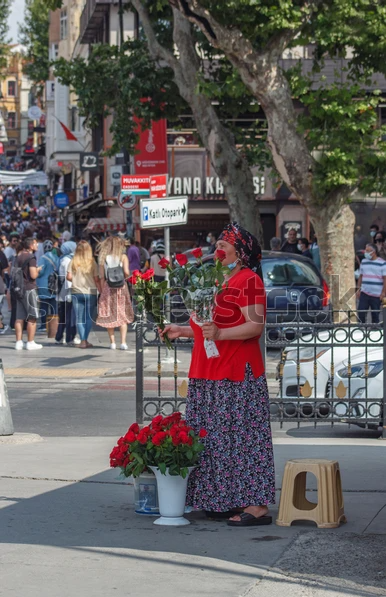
[6, 424]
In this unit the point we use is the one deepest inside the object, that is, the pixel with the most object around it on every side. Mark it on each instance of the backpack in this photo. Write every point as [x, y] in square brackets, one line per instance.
[115, 276]
[18, 282]
[52, 281]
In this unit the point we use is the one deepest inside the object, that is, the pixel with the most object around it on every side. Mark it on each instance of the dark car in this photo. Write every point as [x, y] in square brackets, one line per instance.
[296, 292]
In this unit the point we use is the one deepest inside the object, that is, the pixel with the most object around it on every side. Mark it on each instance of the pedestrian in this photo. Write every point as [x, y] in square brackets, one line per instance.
[47, 282]
[359, 239]
[3, 289]
[291, 244]
[275, 243]
[133, 256]
[371, 284]
[83, 273]
[211, 240]
[374, 228]
[40, 251]
[379, 242]
[157, 255]
[315, 252]
[228, 395]
[303, 246]
[67, 321]
[144, 255]
[114, 309]
[27, 302]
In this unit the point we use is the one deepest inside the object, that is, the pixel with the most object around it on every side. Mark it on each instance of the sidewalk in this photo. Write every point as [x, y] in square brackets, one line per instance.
[68, 527]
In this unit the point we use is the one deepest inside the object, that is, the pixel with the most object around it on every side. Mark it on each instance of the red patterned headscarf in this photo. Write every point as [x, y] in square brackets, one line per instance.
[246, 245]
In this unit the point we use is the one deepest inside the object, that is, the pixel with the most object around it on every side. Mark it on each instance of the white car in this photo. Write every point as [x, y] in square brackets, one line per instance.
[313, 362]
[358, 393]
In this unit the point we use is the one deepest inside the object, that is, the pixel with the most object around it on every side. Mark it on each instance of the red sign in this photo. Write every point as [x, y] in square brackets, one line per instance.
[138, 184]
[152, 147]
[158, 186]
[1, 148]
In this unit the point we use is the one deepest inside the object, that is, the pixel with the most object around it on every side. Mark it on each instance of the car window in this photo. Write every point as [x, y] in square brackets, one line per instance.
[289, 272]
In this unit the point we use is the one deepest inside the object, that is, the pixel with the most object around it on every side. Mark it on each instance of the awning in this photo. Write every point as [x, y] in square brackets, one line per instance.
[28, 177]
[105, 225]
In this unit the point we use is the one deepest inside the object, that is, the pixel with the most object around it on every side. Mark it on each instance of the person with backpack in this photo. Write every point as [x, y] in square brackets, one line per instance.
[157, 255]
[115, 309]
[66, 313]
[24, 288]
[83, 273]
[47, 282]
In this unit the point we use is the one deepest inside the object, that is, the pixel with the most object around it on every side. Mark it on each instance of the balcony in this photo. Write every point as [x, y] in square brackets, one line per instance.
[91, 20]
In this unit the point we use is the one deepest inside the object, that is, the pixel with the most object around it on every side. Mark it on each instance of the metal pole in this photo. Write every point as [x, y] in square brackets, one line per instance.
[6, 423]
[139, 402]
[167, 255]
[384, 375]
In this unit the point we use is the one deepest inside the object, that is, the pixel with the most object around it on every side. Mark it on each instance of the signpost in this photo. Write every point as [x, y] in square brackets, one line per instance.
[89, 161]
[161, 213]
[127, 200]
[158, 186]
[61, 200]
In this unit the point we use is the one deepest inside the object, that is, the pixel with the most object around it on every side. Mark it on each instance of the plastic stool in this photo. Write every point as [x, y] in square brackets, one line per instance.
[328, 512]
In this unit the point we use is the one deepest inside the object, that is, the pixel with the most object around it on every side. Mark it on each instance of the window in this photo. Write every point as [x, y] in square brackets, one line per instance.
[11, 120]
[289, 272]
[12, 142]
[11, 88]
[63, 23]
[54, 51]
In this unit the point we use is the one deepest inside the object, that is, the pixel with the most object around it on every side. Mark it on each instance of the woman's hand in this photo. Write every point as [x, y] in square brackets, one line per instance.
[210, 331]
[172, 330]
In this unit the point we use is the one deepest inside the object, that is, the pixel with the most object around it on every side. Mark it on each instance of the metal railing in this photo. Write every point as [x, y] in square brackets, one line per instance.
[318, 372]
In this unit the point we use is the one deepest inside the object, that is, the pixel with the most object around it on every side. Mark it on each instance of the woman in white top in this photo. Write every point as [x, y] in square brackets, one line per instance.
[115, 309]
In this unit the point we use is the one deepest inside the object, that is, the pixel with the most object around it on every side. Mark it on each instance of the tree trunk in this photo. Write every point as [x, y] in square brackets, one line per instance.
[335, 234]
[229, 164]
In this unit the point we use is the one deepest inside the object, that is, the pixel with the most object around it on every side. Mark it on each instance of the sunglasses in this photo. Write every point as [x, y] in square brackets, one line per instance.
[379, 240]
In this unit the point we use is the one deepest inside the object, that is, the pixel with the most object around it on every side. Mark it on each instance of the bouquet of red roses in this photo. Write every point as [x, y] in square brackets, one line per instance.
[167, 443]
[150, 297]
[198, 283]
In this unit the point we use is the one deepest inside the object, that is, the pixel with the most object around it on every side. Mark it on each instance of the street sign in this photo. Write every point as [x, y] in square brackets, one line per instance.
[127, 200]
[89, 161]
[61, 200]
[115, 175]
[158, 186]
[137, 184]
[34, 113]
[158, 213]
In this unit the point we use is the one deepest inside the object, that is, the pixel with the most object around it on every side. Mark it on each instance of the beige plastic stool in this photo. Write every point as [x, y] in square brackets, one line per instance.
[328, 512]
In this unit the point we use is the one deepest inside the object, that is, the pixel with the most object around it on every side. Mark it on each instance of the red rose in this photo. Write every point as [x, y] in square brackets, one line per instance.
[136, 273]
[202, 433]
[157, 420]
[184, 437]
[134, 427]
[164, 262]
[130, 436]
[219, 254]
[148, 275]
[181, 259]
[197, 253]
[142, 437]
[176, 440]
[132, 280]
[158, 438]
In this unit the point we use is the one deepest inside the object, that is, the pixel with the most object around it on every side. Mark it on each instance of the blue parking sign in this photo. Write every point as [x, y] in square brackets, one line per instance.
[145, 214]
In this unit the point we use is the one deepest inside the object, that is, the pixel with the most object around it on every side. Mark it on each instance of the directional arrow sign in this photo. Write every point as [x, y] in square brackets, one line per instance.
[159, 213]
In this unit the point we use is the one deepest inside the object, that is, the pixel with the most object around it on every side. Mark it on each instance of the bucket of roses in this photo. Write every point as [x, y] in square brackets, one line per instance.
[170, 448]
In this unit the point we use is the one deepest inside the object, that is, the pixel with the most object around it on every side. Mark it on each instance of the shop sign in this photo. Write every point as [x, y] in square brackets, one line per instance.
[89, 161]
[152, 156]
[158, 186]
[211, 185]
[61, 200]
[160, 213]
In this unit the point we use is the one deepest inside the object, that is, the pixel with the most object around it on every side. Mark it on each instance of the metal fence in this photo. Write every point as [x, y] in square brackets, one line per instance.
[317, 372]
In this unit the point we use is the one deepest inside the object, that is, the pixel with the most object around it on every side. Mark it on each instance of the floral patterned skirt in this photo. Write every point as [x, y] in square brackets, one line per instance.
[114, 307]
[236, 469]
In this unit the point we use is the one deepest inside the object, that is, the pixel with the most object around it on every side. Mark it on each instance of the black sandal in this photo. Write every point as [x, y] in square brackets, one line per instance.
[248, 520]
[221, 515]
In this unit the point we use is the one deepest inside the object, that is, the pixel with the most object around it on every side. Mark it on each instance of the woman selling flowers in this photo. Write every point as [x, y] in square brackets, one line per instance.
[228, 395]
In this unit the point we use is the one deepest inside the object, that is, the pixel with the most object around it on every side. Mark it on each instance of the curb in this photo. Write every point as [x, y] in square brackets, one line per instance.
[20, 438]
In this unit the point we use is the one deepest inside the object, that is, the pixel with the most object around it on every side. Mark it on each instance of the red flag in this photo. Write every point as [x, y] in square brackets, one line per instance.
[69, 135]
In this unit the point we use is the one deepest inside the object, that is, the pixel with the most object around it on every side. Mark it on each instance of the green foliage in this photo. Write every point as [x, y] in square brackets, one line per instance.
[5, 9]
[117, 81]
[34, 36]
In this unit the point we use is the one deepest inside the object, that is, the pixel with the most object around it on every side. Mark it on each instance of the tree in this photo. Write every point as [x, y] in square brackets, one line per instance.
[335, 148]
[34, 36]
[5, 10]
[167, 69]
